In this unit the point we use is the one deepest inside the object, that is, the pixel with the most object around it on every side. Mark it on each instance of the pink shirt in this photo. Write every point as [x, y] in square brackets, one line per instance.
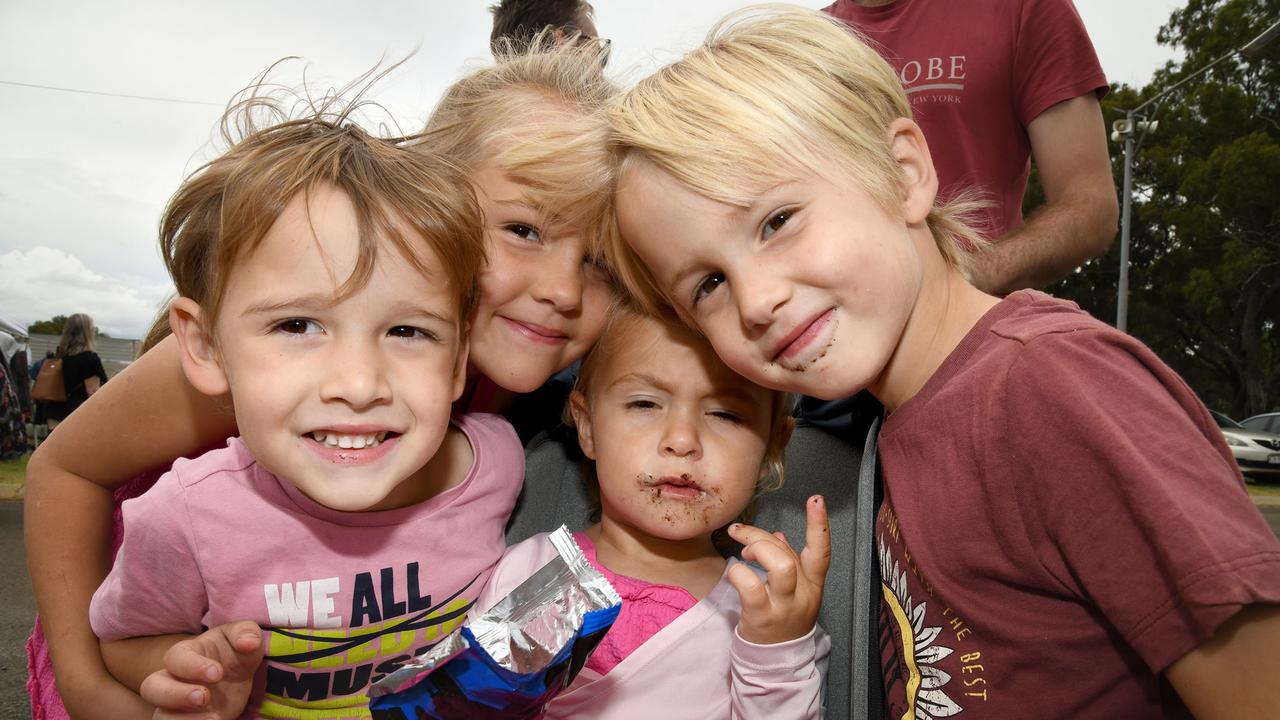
[348, 595]
[646, 608]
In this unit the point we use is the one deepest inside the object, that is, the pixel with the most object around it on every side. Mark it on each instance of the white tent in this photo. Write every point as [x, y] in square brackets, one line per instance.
[13, 337]
[19, 332]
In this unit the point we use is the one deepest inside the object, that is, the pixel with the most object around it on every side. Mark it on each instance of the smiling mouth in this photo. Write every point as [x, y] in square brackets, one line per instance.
[535, 332]
[347, 441]
[802, 336]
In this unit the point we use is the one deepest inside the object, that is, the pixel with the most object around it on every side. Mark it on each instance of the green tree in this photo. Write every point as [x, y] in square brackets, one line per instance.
[1204, 272]
[53, 326]
[48, 327]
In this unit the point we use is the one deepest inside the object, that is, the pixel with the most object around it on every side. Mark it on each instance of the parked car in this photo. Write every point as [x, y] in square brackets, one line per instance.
[1256, 452]
[1266, 422]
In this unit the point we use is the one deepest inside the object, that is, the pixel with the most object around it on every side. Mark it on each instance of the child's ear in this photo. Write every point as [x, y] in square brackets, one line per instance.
[582, 421]
[200, 361]
[919, 179]
[460, 364]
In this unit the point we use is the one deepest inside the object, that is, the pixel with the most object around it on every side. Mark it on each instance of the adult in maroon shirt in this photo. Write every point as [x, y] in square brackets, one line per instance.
[994, 83]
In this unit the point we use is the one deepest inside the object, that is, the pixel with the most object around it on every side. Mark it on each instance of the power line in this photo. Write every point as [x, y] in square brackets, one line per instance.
[110, 94]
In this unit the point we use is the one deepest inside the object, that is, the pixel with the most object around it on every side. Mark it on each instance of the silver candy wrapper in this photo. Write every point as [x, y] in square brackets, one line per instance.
[525, 630]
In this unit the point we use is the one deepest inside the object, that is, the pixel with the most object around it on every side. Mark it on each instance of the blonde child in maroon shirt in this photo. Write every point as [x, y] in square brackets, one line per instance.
[1064, 532]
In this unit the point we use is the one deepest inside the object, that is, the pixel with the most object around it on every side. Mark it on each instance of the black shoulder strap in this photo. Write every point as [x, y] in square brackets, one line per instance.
[865, 687]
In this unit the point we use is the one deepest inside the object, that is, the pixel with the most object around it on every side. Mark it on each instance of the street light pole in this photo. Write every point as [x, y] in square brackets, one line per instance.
[1122, 299]
[1126, 128]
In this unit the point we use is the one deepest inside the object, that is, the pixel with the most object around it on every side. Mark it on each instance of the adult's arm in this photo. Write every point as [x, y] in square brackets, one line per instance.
[143, 419]
[1232, 675]
[1078, 219]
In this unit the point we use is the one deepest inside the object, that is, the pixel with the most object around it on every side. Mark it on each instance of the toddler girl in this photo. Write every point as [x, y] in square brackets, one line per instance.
[682, 446]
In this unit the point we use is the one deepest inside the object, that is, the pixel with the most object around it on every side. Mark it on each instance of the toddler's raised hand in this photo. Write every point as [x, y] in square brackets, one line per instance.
[785, 607]
[210, 675]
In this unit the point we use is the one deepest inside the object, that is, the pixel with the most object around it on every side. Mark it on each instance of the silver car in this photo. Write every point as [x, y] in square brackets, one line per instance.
[1266, 422]
[1256, 452]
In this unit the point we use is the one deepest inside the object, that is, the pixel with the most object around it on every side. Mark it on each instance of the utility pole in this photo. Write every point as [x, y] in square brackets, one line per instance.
[1133, 124]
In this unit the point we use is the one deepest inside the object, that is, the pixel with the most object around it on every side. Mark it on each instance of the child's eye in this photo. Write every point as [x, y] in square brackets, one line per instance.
[641, 405]
[728, 416]
[408, 331]
[775, 222]
[708, 284]
[524, 232]
[298, 326]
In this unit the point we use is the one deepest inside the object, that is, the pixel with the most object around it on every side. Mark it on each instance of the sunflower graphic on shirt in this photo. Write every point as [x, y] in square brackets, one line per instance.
[926, 683]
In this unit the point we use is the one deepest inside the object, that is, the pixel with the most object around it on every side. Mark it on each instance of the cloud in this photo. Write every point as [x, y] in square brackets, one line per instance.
[41, 282]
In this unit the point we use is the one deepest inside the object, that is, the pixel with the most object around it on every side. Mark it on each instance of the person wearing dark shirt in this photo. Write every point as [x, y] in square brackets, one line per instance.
[82, 371]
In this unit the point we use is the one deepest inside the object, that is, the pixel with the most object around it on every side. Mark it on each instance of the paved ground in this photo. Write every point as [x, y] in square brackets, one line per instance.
[17, 609]
[1272, 514]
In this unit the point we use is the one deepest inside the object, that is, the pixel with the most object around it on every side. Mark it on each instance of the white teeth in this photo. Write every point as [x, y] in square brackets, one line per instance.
[352, 442]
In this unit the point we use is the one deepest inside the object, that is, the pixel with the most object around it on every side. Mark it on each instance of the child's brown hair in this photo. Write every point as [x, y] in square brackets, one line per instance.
[224, 209]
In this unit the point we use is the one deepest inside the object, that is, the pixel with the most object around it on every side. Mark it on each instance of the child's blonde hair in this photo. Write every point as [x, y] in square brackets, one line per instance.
[623, 318]
[222, 211]
[774, 92]
[540, 115]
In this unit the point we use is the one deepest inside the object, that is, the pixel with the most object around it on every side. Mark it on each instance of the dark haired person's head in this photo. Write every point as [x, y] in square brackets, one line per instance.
[521, 24]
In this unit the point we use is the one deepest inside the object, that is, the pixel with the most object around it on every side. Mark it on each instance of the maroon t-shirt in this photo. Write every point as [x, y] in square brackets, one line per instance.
[1062, 521]
[977, 73]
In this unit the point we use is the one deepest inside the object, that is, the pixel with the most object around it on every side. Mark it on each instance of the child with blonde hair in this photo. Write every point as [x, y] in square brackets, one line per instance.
[1063, 531]
[529, 136]
[681, 448]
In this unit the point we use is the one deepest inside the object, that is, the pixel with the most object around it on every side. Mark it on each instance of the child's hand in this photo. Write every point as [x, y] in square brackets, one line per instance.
[209, 673]
[786, 606]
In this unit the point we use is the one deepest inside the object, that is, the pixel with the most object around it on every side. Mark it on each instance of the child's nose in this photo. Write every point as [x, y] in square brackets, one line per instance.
[760, 293]
[357, 377]
[680, 437]
[559, 279]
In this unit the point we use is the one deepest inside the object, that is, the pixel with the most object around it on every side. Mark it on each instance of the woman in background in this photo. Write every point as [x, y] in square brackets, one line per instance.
[82, 371]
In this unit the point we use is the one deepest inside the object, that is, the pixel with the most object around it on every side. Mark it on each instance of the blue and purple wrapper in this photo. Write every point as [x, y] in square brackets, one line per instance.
[514, 658]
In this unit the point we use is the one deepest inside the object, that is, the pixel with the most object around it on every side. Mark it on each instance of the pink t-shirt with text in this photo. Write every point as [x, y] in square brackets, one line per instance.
[348, 596]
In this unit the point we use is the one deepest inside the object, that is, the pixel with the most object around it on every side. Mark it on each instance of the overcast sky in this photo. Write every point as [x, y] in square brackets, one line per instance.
[84, 176]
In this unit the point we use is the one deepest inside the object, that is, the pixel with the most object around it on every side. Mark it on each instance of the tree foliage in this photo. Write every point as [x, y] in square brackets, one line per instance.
[1204, 273]
[53, 326]
[48, 327]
